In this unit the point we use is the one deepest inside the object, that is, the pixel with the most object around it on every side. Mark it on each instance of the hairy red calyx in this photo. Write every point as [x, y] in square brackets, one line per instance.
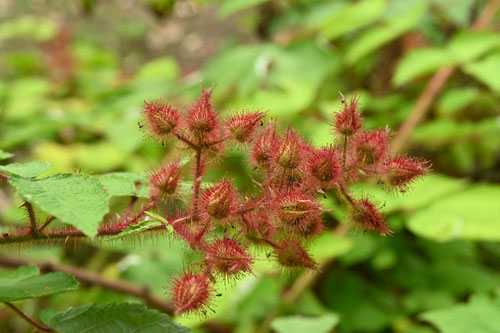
[228, 258]
[192, 292]
[371, 147]
[365, 215]
[290, 152]
[165, 181]
[324, 166]
[262, 151]
[400, 172]
[201, 118]
[161, 119]
[291, 254]
[219, 201]
[242, 126]
[296, 211]
[348, 121]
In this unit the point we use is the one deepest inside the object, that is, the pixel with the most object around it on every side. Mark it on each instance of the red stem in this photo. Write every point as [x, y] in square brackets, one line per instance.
[33, 322]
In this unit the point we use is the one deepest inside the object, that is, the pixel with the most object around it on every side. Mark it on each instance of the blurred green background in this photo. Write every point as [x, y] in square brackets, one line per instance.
[73, 75]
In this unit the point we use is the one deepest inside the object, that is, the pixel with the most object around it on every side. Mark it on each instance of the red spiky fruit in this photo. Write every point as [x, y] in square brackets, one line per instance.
[165, 181]
[296, 211]
[228, 258]
[191, 292]
[371, 147]
[161, 119]
[291, 150]
[324, 166]
[201, 116]
[242, 126]
[262, 151]
[219, 201]
[399, 172]
[291, 254]
[348, 121]
[365, 215]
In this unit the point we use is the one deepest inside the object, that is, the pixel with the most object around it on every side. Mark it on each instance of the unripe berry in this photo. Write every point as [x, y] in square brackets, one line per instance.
[348, 121]
[228, 258]
[161, 119]
[165, 181]
[325, 167]
[242, 126]
[400, 172]
[262, 151]
[296, 211]
[201, 117]
[371, 147]
[290, 152]
[219, 200]
[191, 292]
[292, 255]
[365, 215]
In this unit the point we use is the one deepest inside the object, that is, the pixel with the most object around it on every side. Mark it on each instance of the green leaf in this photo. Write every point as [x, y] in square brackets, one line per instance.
[27, 170]
[299, 324]
[165, 68]
[124, 317]
[468, 46]
[74, 199]
[468, 214]
[35, 27]
[420, 62]
[480, 315]
[329, 245]
[487, 71]
[119, 183]
[352, 17]
[395, 26]
[5, 155]
[136, 229]
[24, 282]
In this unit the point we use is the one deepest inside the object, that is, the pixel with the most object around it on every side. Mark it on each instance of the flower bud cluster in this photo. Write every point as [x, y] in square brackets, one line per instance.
[284, 211]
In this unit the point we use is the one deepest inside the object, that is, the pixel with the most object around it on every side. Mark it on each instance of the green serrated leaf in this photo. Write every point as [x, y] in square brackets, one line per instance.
[480, 315]
[24, 282]
[299, 324]
[468, 214]
[5, 155]
[27, 170]
[136, 229]
[124, 317]
[487, 71]
[74, 199]
[119, 183]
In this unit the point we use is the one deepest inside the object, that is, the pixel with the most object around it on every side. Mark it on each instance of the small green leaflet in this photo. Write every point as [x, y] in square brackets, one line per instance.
[26, 170]
[5, 155]
[136, 229]
[124, 317]
[24, 282]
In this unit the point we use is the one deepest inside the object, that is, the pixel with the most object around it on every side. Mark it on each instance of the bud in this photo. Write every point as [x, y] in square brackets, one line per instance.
[161, 119]
[348, 121]
[290, 152]
[324, 166]
[262, 151]
[202, 118]
[296, 211]
[219, 200]
[228, 258]
[400, 172]
[165, 181]
[290, 254]
[191, 292]
[242, 126]
[371, 147]
[364, 214]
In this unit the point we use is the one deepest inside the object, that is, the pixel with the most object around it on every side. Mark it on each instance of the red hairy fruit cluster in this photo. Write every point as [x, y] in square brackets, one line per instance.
[283, 211]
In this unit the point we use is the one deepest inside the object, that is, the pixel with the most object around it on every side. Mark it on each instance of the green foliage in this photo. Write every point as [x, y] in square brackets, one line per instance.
[74, 199]
[296, 324]
[25, 170]
[5, 155]
[124, 317]
[25, 282]
[479, 315]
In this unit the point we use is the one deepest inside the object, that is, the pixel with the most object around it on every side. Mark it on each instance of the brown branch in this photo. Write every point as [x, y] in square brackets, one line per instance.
[435, 85]
[196, 184]
[93, 278]
[33, 322]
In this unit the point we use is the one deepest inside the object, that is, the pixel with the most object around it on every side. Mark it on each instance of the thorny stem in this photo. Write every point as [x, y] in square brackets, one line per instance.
[181, 137]
[91, 278]
[196, 184]
[345, 151]
[32, 216]
[33, 322]
[47, 222]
